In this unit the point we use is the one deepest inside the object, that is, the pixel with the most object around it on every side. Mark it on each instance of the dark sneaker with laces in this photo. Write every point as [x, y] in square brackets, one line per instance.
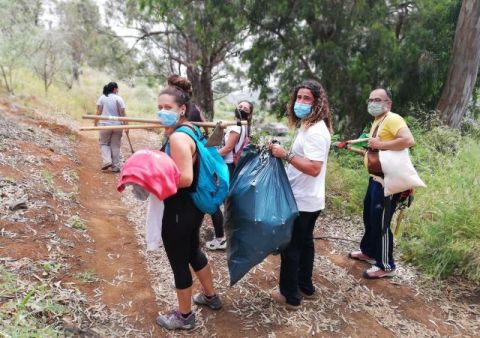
[360, 256]
[375, 272]
[213, 303]
[175, 321]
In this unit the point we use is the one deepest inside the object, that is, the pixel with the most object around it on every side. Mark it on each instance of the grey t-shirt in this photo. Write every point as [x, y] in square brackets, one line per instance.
[111, 106]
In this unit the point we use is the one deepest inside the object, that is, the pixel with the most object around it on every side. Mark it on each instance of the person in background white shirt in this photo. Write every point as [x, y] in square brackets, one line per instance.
[234, 140]
[110, 104]
[308, 110]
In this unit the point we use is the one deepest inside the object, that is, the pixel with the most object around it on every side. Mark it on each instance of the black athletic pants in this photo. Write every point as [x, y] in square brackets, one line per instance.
[297, 259]
[181, 237]
[378, 210]
[217, 217]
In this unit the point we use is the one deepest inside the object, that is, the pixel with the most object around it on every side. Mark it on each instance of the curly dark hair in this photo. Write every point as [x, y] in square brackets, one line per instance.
[320, 107]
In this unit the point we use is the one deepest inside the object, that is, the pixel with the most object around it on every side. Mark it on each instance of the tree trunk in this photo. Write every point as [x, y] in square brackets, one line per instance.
[202, 89]
[75, 73]
[355, 123]
[207, 93]
[5, 79]
[464, 64]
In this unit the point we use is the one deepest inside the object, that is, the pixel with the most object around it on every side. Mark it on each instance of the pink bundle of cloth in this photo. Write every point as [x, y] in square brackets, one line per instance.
[153, 170]
[153, 176]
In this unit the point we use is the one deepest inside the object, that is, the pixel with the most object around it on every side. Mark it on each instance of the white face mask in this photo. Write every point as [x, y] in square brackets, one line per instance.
[375, 109]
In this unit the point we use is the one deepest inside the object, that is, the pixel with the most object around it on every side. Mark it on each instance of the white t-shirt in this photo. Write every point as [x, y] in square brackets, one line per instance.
[242, 132]
[110, 107]
[312, 143]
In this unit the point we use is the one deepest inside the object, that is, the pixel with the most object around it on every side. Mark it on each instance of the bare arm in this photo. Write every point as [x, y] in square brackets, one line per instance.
[306, 166]
[360, 152]
[99, 112]
[182, 149]
[403, 139]
[232, 141]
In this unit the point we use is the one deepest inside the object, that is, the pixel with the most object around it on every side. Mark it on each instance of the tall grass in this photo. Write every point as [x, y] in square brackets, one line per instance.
[441, 231]
[140, 100]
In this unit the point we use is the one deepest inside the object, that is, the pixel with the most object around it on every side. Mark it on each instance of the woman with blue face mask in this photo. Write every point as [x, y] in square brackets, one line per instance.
[234, 140]
[182, 219]
[308, 111]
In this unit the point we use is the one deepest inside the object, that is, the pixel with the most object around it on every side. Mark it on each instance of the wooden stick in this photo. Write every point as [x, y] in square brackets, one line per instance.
[124, 127]
[358, 140]
[135, 119]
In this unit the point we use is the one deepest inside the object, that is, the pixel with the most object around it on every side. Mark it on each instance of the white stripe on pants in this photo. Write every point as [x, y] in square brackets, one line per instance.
[385, 241]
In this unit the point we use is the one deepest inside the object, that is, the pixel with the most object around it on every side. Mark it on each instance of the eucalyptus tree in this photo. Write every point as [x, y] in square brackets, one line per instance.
[191, 37]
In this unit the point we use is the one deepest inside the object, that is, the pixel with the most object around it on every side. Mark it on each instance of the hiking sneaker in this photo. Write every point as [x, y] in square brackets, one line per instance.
[106, 166]
[213, 303]
[375, 272]
[217, 244]
[280, 299]
[360, 256]
[174, 320]
[115, 170]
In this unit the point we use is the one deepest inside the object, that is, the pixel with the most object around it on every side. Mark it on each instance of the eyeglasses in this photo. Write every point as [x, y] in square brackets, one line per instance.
[376, 100]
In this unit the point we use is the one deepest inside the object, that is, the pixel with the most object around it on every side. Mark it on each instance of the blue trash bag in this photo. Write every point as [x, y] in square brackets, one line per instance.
[260, 211]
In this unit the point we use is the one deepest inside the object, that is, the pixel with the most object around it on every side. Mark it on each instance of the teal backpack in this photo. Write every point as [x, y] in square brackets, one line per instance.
[213, 177]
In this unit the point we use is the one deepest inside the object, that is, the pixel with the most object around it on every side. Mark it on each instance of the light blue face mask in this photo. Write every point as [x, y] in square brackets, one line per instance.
[302, 109]
[167, 117]
[375, 108]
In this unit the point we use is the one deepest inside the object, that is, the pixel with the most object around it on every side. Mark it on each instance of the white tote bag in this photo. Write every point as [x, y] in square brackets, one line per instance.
[400, 175]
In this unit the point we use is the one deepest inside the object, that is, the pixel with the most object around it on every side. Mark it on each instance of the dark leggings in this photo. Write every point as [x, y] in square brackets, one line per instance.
[217, 217]
[181, 238]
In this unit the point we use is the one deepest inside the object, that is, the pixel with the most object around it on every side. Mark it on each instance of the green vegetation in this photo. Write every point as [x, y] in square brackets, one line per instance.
[441, 231]
[47, 178]
[75, 222]
[88, 276]
[27, 309]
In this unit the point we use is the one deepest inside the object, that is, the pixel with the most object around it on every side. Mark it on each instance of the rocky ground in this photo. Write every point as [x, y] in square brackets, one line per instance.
[73, 259]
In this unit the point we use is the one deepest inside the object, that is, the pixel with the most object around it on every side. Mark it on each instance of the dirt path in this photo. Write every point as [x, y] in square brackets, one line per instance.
[116, 258]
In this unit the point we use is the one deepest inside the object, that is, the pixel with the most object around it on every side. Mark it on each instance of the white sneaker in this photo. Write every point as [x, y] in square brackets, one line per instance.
[217, 244]
[375, 272]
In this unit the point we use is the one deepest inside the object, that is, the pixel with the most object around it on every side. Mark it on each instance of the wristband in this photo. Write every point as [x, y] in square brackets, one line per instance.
[289, 157]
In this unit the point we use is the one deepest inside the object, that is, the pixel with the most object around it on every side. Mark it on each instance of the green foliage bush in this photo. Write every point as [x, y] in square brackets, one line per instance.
[441, 231]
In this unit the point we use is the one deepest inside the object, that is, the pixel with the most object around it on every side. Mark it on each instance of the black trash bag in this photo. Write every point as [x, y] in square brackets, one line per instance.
[260, 211]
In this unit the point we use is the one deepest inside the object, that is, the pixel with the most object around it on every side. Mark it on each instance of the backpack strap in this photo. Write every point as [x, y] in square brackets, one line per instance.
[191, 131]
[375, 132]
[194, 135]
